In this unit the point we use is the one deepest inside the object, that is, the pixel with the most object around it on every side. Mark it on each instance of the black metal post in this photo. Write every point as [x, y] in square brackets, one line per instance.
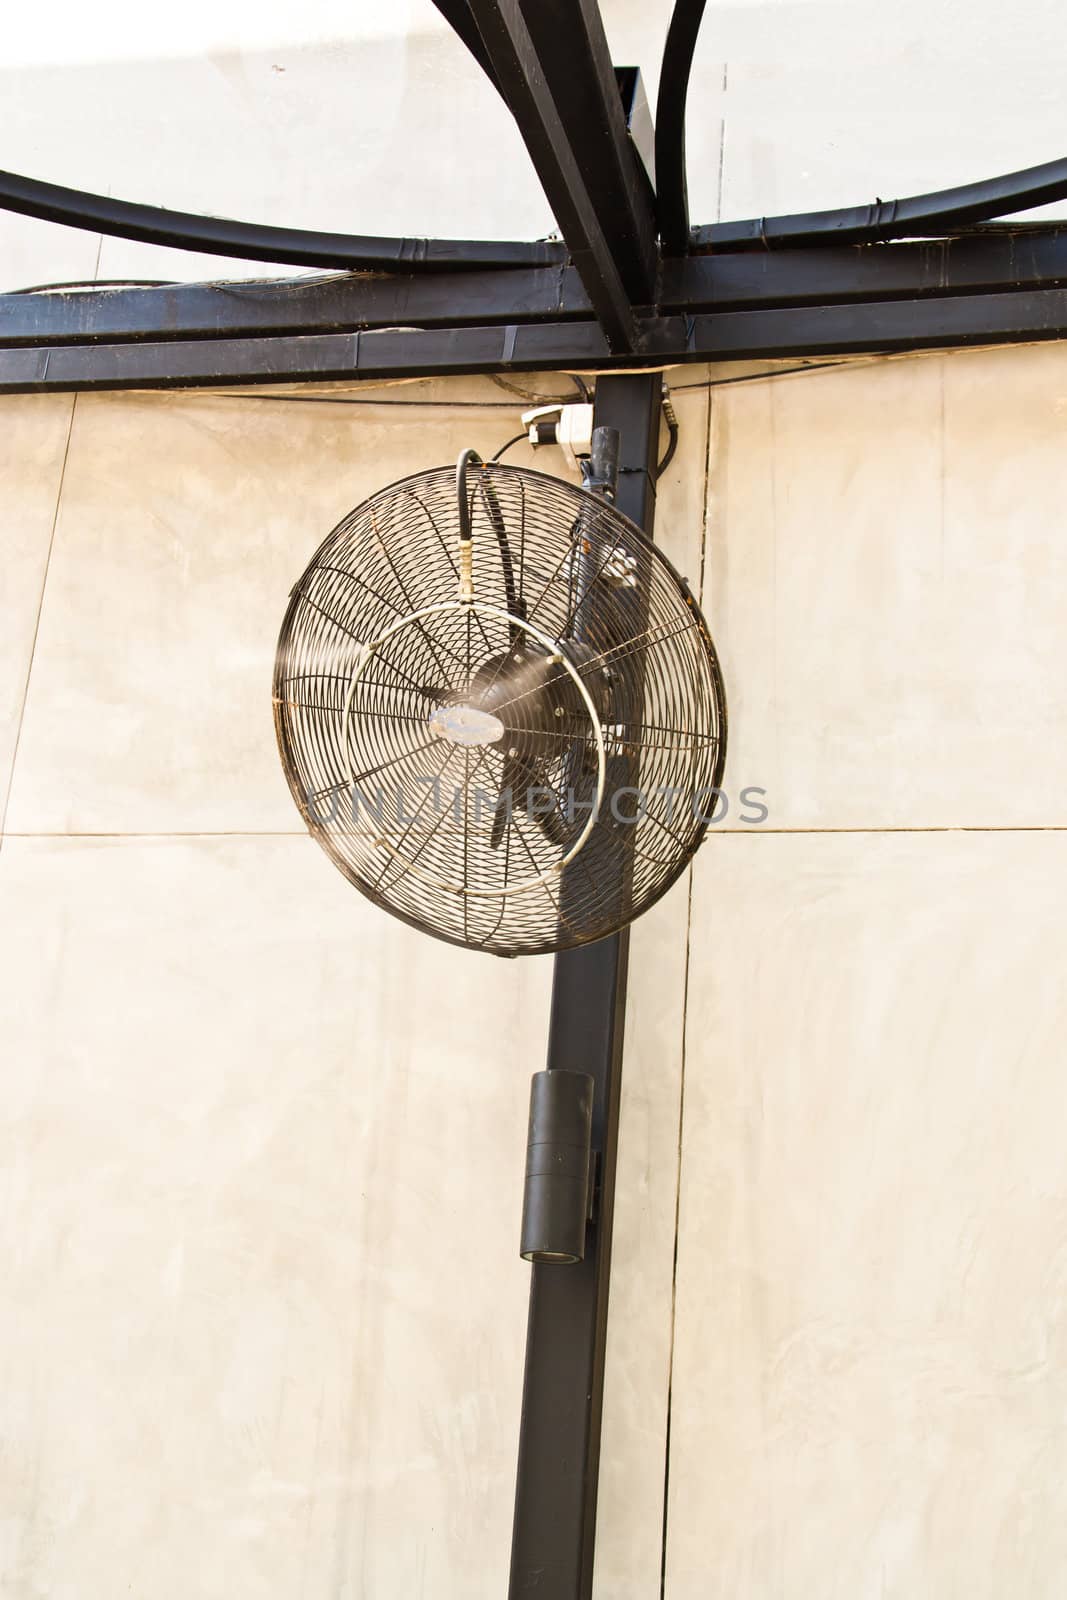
[559, 1439]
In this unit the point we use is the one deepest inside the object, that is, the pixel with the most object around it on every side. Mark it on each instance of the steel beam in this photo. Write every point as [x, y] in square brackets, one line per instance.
[307, 358]
[559, 1445]
[866, 328]
[573, 53]
[552, 63]
[662, 341]
[325, 305]
[991, 262]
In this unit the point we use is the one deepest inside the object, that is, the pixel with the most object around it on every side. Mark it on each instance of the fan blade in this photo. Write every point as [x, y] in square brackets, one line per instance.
[524, 778]
[553, 823]
[510, 776]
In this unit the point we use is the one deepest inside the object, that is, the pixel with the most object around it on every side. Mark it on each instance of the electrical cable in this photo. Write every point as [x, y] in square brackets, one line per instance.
[362, 400]
[98, 283]
[671, 420]
[542, 399]
[705, 384]
[518, 439]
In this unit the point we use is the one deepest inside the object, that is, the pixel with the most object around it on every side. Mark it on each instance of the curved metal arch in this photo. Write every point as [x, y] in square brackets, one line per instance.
[917, 216]
[672, 199]
[186, 230]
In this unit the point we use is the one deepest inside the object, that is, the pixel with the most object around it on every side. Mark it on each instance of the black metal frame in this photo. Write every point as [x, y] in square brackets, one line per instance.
[559, 1444]
[849, 327]
[552, 63]
[252, 241]
[672, 199]
[993, 261]
[631, 285]
[992, 286]
[917, 216]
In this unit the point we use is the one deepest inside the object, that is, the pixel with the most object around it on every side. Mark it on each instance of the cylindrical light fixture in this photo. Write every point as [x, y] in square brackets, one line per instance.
[555, 1206]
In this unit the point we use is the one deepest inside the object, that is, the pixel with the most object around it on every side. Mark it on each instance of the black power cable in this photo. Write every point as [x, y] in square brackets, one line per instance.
[518, 439]
[670, 418]
[98, 283]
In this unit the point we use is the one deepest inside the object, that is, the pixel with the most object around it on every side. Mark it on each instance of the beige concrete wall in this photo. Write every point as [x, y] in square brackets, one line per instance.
[869, 1374]
[261, 1145]
[249, 1127]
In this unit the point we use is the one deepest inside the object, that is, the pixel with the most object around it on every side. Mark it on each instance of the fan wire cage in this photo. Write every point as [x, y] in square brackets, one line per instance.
[501, 716]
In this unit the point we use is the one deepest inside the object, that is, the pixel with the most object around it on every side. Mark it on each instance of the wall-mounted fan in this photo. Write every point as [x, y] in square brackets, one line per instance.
[499, 708]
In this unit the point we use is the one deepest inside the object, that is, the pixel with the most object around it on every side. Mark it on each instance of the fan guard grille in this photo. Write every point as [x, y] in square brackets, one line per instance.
[585, 647]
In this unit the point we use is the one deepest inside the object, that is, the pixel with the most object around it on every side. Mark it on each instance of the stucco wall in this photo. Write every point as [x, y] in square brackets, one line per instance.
[870, 1369]
[260, 1146]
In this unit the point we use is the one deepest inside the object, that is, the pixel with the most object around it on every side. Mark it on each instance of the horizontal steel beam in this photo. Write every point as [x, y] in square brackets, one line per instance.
[310, 358]
[942, 322]
[1014, 317]
[989, 262]
[327, 305]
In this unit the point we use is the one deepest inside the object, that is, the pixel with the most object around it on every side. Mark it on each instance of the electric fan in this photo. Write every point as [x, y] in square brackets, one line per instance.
[499, 709]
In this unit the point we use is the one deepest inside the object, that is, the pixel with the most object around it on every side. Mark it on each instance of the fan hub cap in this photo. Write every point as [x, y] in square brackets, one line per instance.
[466, 725]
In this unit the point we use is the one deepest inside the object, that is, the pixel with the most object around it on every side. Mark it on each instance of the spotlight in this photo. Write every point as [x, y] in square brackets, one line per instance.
[558, 1190]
